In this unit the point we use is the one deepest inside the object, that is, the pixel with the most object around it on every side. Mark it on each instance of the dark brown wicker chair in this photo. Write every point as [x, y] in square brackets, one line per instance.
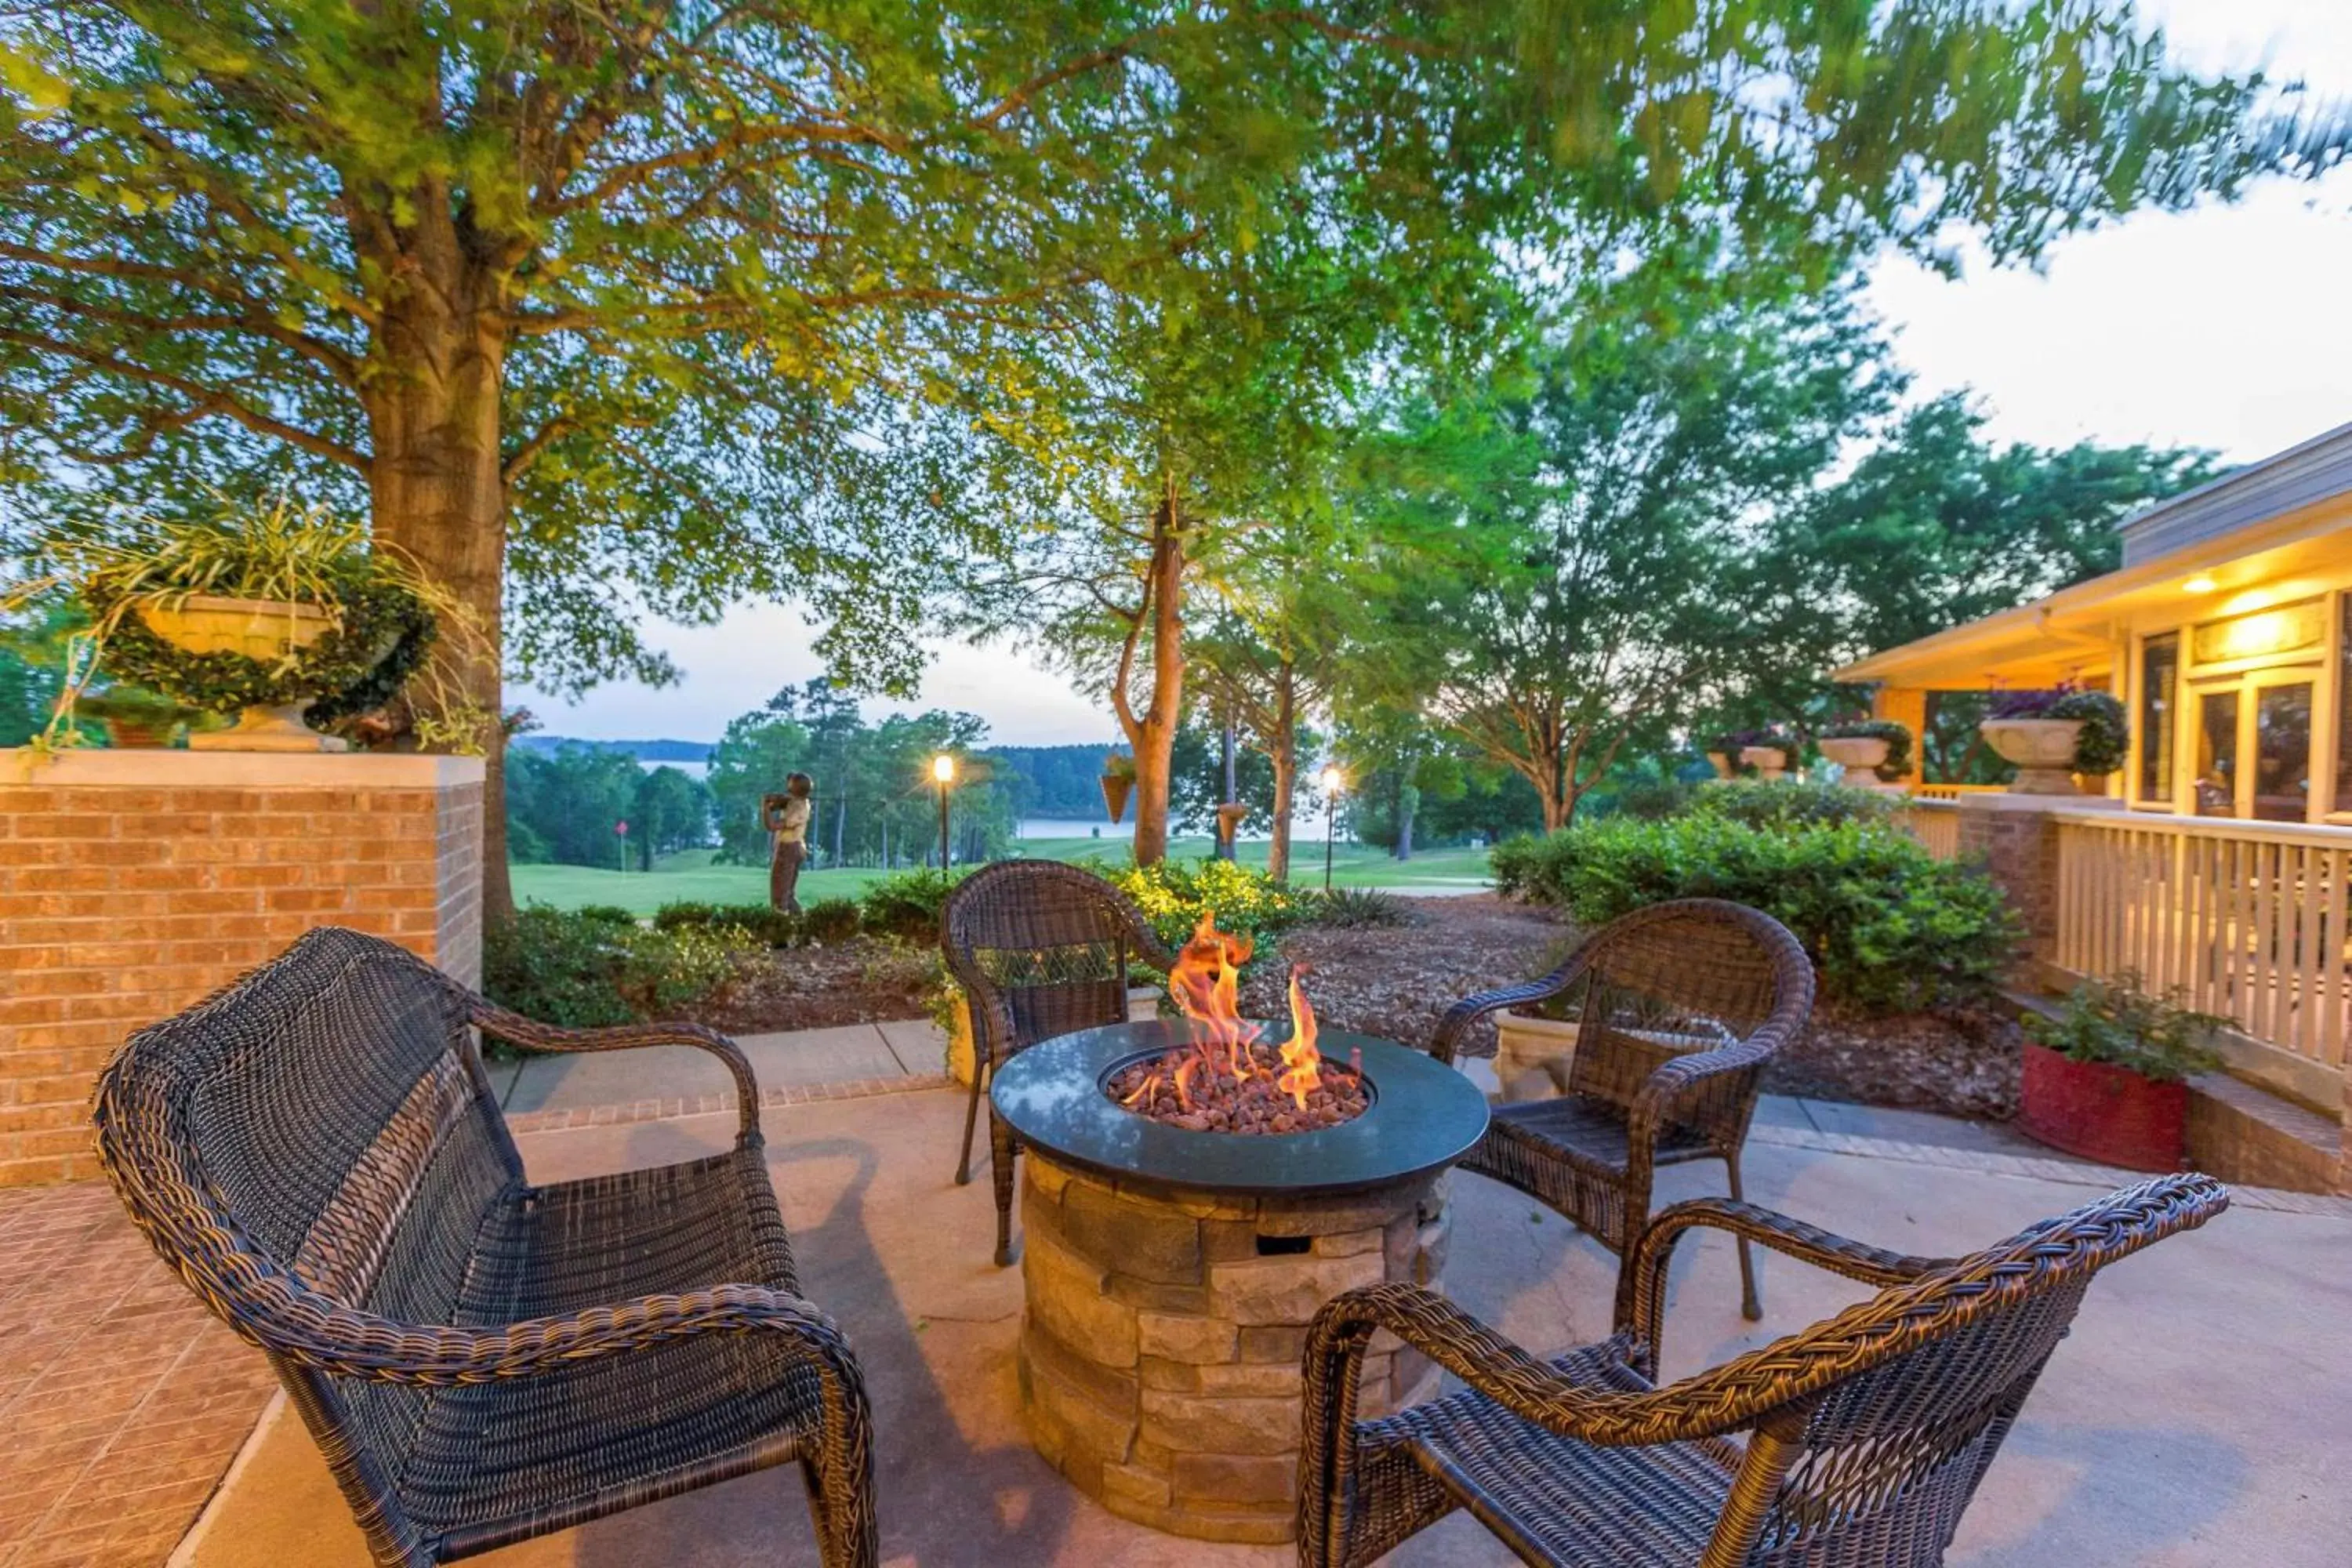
[1041, 949]
[1866, 1433]
[317, 1151]
[1679, 1007]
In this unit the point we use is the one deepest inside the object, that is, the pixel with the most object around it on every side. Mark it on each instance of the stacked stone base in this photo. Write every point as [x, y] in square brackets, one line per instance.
[1161, 1350]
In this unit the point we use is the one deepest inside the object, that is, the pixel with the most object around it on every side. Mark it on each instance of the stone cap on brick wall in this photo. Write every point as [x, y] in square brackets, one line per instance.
[154, 766]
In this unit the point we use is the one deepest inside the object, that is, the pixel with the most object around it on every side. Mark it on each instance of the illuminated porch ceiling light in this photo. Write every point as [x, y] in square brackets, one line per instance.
[2200, 583]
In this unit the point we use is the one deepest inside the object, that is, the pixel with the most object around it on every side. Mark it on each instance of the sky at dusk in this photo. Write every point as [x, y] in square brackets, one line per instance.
[2228, 328]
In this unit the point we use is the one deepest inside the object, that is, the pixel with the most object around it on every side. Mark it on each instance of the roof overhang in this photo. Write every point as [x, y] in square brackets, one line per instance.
[2073, 631]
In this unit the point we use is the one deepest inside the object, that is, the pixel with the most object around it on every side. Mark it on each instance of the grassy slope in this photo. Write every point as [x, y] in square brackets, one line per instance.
[694, 877]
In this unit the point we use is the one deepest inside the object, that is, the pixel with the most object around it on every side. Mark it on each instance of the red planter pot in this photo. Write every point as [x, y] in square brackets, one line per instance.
[2103, 1112]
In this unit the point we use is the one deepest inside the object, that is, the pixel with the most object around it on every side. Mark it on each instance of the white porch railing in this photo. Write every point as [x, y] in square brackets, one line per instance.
[1934, 821]
[2250, 918]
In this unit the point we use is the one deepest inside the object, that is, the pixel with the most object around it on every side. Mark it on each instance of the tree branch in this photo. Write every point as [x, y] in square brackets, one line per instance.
[210, 400]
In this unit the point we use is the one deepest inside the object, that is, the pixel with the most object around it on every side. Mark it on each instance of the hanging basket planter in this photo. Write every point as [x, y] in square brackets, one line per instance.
[1116, 788]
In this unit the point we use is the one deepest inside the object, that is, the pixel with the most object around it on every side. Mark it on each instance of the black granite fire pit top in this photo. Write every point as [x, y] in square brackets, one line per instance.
[1423, 1116]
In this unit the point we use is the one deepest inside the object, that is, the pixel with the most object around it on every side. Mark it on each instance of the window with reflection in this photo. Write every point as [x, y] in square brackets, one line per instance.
[2159, 672]
[2344, 706]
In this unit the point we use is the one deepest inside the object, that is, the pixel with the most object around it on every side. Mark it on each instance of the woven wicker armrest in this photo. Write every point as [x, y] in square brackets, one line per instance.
[1678, 1082]
[1529, 1387]
[513, 1027]
[1445, 1043]
[1645, 1305]
[342, 1341]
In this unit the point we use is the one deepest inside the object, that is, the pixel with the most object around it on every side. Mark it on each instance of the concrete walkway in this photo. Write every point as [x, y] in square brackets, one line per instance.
[2200, 1413]
[800, 1058]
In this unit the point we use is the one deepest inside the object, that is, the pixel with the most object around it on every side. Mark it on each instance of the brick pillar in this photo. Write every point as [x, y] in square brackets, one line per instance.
[1907, 706]
[133, 883]
[2017, 839]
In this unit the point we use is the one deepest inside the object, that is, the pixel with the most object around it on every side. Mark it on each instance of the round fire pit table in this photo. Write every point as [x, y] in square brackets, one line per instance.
[1170, 1275]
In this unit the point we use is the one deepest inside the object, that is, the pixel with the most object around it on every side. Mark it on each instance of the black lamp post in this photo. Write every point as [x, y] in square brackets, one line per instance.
[943, 774]
[1333, 783]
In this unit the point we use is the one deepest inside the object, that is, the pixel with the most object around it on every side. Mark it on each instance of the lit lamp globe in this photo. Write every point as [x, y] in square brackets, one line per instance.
[944, 769]
[1333, 780]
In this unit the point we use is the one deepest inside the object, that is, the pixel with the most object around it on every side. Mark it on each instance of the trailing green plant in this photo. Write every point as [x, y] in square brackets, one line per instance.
[1789, 803]
[2116, 1022]
[909, 904]
[385, 615]
[1357, 908]
[596, 967]
[2105, 739]
[770, 926]
[831, 919]
[1888, 926]
[1898, 739]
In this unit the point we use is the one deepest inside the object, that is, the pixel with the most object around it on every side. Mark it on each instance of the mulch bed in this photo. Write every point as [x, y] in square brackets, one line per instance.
[1397, 981]
[865, 980]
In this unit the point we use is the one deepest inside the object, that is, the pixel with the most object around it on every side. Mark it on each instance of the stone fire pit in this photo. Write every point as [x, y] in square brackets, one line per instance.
[1170, 1274]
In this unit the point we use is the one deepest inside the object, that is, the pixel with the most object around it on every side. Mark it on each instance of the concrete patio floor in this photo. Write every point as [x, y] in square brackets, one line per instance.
[2200, 1414]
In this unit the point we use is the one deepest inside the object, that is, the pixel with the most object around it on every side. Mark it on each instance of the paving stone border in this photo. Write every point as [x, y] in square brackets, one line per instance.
[2074, 1172]
[714, 1104]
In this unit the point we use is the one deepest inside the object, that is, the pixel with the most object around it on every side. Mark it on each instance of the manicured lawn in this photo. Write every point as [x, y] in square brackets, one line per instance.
[694, 877]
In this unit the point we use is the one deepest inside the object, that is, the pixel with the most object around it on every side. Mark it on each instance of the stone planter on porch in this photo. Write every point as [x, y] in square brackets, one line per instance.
[2041, 749]
[1860, 756]
[1770, 761]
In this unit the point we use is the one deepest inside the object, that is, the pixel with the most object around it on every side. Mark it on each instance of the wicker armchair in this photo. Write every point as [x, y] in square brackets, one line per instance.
[317, 1151]
[1867, 1433]
[1041, 949]
[1679, 1007]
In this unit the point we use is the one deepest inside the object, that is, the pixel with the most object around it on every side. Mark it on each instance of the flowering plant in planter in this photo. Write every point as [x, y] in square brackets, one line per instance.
[2105, 1076]
[2103, 741]
[1736, 746]
[1896, 763]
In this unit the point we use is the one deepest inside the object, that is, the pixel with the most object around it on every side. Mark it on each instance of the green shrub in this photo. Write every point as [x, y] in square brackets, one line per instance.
[582, 969]
[831, 919]
[770, 926]
[607, 914]
[2116, 1023]
[1358, 909]
[1174, 895]
[1791, 803]
[1889, 925]
[907, 904]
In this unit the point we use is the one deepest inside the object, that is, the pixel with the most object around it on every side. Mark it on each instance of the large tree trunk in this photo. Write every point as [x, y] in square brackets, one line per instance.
[1153, 733]
[1282, 750]
[1406, 802]
[438, 494]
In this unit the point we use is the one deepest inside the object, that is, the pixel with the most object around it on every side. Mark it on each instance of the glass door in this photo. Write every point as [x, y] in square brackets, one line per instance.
[2281, 748]
[2249, 746]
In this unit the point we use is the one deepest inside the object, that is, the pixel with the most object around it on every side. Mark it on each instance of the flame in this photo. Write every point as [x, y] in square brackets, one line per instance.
[1302, 1064]
[1205, 986]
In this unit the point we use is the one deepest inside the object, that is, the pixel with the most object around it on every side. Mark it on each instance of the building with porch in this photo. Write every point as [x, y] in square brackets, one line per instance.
[2221, 861]
[2225, 632]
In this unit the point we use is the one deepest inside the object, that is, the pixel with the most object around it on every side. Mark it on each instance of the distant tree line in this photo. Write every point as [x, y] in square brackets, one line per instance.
[565, 806]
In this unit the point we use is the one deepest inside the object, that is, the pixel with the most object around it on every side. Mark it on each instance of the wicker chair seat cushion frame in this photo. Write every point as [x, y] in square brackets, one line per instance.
[1678, 1008]
[317, 1151]
[1866, 1435]
[1040, 949]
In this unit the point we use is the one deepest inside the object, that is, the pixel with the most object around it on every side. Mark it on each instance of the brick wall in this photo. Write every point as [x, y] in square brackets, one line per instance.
[2018, 840]
[133, 883]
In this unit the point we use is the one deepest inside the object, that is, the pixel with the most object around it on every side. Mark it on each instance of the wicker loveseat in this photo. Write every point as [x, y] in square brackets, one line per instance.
[317, 1151]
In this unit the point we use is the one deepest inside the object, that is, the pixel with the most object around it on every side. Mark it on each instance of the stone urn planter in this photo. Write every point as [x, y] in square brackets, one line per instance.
[1531, 1055]
[2041, 749]
[1142, 1005]
[1770, 761]
[2101, 1111]
[1860, 756]
[261, 630]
